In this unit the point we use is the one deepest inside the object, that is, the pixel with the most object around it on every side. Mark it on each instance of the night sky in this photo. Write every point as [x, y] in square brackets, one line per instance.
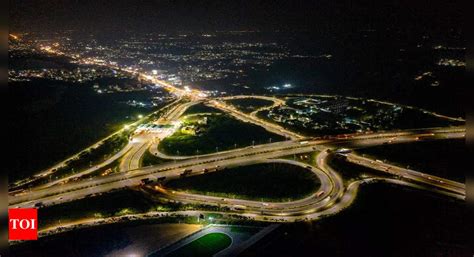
[211, 15]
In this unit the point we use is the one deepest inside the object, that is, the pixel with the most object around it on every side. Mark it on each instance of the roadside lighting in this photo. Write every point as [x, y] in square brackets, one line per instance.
[140, 116]
[126, 126]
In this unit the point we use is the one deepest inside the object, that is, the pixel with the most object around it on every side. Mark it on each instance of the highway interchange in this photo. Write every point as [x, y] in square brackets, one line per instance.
[332, 196]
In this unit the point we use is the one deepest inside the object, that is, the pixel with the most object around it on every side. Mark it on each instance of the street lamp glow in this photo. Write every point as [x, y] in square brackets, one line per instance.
[140, 116]
[126, 126]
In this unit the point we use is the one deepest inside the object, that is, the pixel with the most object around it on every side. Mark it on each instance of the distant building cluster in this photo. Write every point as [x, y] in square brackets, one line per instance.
[178, 59]
[451, 62]
[339, 113]
[76, 75]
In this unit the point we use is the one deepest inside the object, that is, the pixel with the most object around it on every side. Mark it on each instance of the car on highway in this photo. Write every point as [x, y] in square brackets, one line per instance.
[319, 194]
[239, 208]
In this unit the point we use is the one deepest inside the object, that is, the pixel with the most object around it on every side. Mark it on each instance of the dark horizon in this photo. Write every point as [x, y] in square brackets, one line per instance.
[237, 128]
[202, 16]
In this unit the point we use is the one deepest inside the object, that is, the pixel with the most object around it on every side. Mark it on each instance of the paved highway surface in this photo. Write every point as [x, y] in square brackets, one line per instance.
[332, 197]
[331, 183]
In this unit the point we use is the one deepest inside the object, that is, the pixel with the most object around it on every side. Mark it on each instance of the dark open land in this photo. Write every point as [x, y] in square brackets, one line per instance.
[385, 220]
[329, 115]
[443, 158]
[248, 105]
[68, 119]
[148, 235]
[149, 159]
[110, 204]
[351, 171]
[204, 246]
[53, 119]
[221, 131]
[268, 182]
[102, 206]
[201, 108]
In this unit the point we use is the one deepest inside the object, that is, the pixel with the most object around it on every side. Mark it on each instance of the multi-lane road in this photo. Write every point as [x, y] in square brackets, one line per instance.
[332, 196]
[272, 127]
[408, 174]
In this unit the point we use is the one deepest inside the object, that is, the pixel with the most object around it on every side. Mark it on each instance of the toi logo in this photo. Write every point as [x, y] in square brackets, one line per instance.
[23, 224]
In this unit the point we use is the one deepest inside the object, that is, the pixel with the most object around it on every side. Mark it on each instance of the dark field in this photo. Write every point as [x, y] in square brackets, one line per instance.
[201, 108]
[105, 205]
[221, 131]
[149, 159]
[61, 120]
[248, 105]
[205, 246]
[268, 182]
[444, 158]
[350, 171]
[384, 220]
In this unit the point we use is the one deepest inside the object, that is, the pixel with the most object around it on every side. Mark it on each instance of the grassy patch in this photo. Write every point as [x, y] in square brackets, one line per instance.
[268, 182]
[245, 230]
[101, 153]
[106, 205]
[201, 108]
[248, 105]
[207, 245]
[221, 132]
[304, 157]
[149, 159]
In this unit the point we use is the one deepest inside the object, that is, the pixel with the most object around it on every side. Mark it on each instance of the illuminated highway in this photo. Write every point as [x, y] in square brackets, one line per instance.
[80, 189]
[408, 174]
[332, 196]
[272, 127]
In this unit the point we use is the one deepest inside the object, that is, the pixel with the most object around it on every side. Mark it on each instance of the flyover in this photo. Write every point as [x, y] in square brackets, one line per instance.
[80, 189]
[334, 198]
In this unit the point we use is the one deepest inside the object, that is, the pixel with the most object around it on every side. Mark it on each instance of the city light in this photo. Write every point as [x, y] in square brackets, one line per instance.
[251, 129]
